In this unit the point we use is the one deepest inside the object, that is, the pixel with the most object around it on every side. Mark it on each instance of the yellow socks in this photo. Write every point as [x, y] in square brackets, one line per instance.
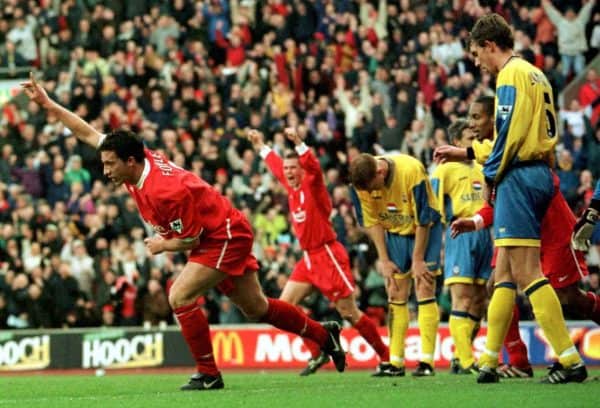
[429, 318]
[549, 316]
[398, 325]
[461, 327]
[500, 311]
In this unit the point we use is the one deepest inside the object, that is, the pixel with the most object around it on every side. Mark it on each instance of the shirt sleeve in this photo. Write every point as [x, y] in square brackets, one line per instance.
[314, 177]
[275, 164]
[309, 163]
[438, 185]
[190, 208]
[482, 150]
[363, 206]
[424, 200]
[487, 213]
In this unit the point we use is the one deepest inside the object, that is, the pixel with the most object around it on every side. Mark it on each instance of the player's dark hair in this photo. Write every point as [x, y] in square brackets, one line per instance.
[488, 104]
[125, 144]
[456, 129]
[363, 170]
[493, 28]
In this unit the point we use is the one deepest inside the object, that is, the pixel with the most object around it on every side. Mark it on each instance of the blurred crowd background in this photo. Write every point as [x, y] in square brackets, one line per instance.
[189, 76]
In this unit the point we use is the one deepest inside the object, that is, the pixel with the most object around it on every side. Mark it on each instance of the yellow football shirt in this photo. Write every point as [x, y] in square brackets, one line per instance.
[459, 189]
[406, 201]
[525, 121]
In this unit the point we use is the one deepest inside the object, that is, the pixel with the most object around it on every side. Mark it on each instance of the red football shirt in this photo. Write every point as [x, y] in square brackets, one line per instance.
[177, 203]
[310, 204]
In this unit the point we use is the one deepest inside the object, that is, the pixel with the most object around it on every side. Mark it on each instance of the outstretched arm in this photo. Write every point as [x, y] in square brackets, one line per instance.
[308, 161]
[272, 159]
[80, 128]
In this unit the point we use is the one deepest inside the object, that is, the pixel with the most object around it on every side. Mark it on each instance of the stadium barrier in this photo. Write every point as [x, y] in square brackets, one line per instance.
[240, 346]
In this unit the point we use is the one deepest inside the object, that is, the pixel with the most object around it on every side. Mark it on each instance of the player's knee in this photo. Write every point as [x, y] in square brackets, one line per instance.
[177, 299]
[254, 311]
[348, 312]
[424, 290]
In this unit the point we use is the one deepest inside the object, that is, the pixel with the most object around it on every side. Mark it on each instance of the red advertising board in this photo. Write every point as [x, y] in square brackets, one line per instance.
[271, 348]
[265, 347]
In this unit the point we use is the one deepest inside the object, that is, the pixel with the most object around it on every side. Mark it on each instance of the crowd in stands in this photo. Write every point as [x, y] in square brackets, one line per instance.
[189, 76]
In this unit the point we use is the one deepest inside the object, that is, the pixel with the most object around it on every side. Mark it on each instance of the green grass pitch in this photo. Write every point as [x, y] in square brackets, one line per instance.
[287, 389]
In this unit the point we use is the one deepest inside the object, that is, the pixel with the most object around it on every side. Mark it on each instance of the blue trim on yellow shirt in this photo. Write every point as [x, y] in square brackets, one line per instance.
[507, 96]
[357, 206]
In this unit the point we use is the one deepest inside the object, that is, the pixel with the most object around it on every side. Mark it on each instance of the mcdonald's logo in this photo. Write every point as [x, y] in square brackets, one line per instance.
[228, 348]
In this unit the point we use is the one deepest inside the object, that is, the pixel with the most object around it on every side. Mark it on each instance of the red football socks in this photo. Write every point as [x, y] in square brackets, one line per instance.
[288, 317]
[313, 347]
[368, 330]
[194, 328]
[594, 312]
[517, 352]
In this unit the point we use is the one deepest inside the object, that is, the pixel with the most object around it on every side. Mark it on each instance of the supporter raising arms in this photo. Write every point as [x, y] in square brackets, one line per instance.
[325, 264]
[189, 215]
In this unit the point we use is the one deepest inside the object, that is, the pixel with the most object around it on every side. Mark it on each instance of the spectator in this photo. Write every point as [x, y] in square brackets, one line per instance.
[22, 36]
[29, 176]
[572, 42]
[589, 96]
[74, 172]
[155, 306]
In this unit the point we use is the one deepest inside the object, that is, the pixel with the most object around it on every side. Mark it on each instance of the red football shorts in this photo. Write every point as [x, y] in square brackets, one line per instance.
[232, 256]
[562, 266]
[327, 269]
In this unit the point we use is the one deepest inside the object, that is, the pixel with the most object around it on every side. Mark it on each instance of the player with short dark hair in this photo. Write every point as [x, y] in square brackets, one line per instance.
[325, 264]
[190, 215]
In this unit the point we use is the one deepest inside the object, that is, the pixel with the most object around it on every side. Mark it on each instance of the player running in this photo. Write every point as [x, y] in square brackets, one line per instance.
[190, 215]
[325, 264]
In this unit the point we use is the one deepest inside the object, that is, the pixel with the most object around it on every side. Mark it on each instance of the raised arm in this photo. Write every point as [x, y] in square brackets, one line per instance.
[308, 161]
[80, 128]
[552, 13]
[272, 159]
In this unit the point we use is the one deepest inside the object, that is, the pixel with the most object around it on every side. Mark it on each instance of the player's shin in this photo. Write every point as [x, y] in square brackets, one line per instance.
[499, 316]
[517, 351]
[195, 331]
[288, 317]
[429, 319]
[368, 331]
[548, 313]
[460, 330]
[398, 326]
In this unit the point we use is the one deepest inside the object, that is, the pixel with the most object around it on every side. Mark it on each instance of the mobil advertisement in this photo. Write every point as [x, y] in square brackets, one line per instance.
[264, 347]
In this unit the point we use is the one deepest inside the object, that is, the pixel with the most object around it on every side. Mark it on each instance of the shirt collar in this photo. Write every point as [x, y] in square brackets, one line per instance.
[391, 170]
[145, 173]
